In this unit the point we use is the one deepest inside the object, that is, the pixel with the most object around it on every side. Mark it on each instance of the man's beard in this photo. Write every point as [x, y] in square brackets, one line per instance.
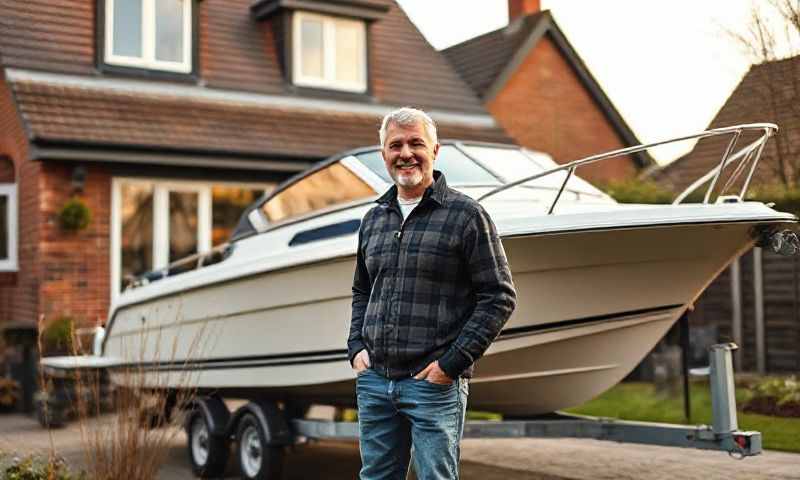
[407, 180]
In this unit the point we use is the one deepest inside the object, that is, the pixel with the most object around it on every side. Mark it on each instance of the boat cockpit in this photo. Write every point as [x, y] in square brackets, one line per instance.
[360, 176]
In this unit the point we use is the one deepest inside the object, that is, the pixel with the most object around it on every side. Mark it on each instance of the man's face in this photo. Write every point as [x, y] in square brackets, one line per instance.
[409, 154]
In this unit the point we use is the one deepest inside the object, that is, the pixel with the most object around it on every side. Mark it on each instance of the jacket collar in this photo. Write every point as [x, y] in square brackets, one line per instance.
[436, 192]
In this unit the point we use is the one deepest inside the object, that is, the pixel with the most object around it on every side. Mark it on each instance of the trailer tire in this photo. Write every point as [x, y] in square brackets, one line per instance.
[258, 460]
[208, 453]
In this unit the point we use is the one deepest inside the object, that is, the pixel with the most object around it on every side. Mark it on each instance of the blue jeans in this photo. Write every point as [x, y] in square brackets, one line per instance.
[394, 415]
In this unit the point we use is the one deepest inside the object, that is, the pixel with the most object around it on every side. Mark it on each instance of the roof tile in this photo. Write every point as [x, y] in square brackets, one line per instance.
[71, 114]
[749, 103]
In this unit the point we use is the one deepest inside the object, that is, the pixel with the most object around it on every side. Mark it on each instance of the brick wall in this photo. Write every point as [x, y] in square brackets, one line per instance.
[75, 266]
[19, 291]
[8, 172]
[545, 107]
[60, 273]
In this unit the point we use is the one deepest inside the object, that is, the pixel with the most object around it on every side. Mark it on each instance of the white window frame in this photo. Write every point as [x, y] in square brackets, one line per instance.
[9, 190]
[328, 79]
[148, 58]
[161, 189]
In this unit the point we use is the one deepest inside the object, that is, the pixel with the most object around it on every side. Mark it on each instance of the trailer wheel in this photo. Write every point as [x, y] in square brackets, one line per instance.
[208, 453]
[257, 459]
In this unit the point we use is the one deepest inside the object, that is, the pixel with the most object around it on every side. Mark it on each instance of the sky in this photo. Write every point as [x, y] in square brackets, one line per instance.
[667, 65]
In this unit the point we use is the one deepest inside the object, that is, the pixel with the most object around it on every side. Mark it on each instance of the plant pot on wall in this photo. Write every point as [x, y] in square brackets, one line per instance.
[74, 215]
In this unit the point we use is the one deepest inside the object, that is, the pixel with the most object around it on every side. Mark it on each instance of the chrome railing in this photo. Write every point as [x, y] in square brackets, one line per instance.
[748, 155]
[192, 262]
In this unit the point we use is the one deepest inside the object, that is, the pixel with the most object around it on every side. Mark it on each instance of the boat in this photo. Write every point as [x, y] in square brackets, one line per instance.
[599, 283]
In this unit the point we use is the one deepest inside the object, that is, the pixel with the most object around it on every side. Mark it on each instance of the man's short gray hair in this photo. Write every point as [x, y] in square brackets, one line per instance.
[406, 117]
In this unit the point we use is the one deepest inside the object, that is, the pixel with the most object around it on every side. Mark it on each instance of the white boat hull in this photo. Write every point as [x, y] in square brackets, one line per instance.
[591, 305]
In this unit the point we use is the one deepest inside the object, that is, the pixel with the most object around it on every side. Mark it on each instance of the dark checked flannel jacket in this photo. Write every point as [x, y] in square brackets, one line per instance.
[436, 287]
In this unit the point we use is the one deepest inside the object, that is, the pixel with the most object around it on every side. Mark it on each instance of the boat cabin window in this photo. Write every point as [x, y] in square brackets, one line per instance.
[332, 185]
[457, 167]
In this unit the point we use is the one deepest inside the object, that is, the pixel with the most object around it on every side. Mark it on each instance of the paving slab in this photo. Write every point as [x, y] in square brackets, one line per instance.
[491, 459]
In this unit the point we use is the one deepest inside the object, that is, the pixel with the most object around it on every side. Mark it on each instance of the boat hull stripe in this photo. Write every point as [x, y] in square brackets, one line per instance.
[327, 356]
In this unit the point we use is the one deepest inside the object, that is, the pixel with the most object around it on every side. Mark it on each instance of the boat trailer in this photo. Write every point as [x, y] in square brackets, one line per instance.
[260, 430]
[723, 434]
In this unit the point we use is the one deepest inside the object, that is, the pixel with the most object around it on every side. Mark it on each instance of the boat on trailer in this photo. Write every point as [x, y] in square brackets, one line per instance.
[599, 283]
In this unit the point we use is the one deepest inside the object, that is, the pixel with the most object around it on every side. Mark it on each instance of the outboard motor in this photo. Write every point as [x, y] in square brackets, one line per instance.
[784, 242]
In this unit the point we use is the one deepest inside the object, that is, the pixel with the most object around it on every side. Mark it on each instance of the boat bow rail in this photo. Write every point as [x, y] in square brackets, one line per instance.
[745, 158]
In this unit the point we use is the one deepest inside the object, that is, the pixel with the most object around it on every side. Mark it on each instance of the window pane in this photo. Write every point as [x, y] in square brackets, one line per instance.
[3, 227]
[512, 165]
[137, 230]
[182, 224]
[311, 46]
[169, 30]
[127, 28]
[228, 204]
[332, 185]
[457, 168]
[349, 52]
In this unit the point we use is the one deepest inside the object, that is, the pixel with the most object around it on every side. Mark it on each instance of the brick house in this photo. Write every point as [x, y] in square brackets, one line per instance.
[533, 82]
[756, 302]
[167, 118]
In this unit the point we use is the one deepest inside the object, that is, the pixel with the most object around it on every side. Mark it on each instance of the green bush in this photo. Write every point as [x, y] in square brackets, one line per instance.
[775, 396]
[32, 469]
[9, 393]
[57, 336]
[638, 191]
[75, 215]
[785, 199]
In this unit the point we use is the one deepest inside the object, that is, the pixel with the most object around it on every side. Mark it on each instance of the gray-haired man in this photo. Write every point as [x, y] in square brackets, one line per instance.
[431, 291]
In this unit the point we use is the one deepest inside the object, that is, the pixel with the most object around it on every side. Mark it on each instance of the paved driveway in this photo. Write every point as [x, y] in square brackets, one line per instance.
[527, 459]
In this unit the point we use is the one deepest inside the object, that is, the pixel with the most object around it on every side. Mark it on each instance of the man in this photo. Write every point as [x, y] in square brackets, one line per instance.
[431, 291]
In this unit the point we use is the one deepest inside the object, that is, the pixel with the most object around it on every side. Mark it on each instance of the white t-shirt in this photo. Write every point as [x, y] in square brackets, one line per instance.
[406, 206]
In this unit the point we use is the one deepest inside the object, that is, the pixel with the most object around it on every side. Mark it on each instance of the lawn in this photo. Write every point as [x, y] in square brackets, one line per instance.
[639, 401]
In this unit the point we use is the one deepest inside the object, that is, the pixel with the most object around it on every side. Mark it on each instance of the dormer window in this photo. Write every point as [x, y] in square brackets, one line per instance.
[149, 34]
[329, 52]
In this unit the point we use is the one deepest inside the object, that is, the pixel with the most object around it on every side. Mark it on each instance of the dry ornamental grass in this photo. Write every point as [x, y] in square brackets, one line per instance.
[126, 424]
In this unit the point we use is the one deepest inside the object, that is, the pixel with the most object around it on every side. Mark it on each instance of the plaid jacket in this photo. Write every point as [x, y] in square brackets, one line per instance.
[436, 287]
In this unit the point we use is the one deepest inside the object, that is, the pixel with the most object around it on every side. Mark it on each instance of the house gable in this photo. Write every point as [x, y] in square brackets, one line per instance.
[545, 106]
[750, 102]
[489, 62]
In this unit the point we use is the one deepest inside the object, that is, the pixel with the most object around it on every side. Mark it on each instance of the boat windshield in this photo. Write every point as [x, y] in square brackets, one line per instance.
[458, 168]
[328, 187]
[512, 164]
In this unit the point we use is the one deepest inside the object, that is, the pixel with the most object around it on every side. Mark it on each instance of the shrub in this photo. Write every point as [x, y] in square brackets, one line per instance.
[57, 336]
[779, 396]
[33, 469]
[638, 191]
[9, 393]
[785, 199]
[75, 215]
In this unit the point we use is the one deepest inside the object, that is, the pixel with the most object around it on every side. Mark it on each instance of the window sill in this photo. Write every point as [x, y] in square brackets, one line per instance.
[143, 72]
[364, 9]
[330, 94]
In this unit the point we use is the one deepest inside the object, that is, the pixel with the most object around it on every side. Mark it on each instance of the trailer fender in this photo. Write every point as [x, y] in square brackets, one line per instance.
[215, 412]
[271, 418]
